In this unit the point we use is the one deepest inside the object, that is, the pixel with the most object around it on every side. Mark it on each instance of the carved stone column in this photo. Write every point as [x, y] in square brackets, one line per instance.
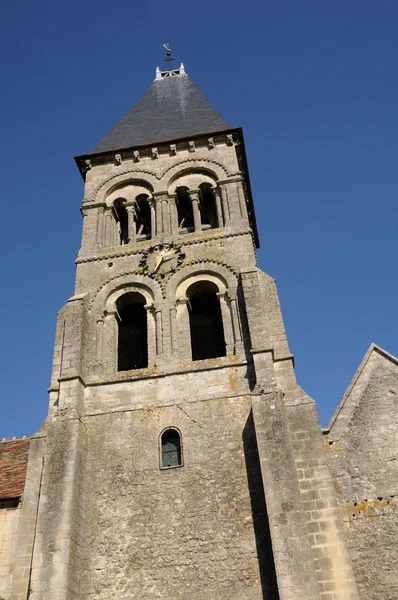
[173, 329]
[217, 196]
[173, 214]
[99, 340]
[159, 332]
[236, 324]
[227, 322]
[242, 199]
[109, 342]
[184, 337]
[165, 214]
[194, 195]
[151, 203]
[224, 202]
[100, 226]
[159, 219]
[109, 226]
[152, 334]
[85, 236]
[131, 222]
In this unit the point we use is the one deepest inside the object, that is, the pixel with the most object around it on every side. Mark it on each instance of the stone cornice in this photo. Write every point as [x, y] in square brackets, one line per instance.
[111, 253]
[210, 364]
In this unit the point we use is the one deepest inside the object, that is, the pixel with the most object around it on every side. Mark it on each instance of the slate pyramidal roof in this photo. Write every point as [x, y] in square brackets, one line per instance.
[173, 107]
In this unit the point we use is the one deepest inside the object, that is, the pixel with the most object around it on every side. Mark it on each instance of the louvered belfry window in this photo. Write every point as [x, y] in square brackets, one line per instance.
[171, 449]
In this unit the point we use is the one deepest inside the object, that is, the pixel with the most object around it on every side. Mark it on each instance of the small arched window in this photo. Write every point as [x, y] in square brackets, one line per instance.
[132, 332]
[122, 220]
[208, 211]
[205, 321]
[184, 209]
[142, 216]
[170, 450]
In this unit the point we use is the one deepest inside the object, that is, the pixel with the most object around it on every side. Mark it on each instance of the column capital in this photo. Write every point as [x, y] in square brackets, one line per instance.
[159, 195]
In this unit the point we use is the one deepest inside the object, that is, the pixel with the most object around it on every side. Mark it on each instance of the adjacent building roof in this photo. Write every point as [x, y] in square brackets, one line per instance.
[346, 408]
[172, 107]
[13, 463]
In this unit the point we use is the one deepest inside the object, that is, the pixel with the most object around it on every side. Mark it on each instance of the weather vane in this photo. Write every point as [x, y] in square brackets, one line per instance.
[168, 58]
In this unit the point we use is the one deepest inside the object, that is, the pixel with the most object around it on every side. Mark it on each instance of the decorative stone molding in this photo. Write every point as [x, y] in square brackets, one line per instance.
[87, 165]
[191, 146]
[173, 149]
[123, 281]
[118, 159]
[125, 251]
[203, 267]
[211, 144]
[215, 167]
[230, 139]
[218, 170]
[128, 177]
[136, 156]
[154, 153]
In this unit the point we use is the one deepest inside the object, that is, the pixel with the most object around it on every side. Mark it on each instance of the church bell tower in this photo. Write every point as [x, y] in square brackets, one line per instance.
[180, 459]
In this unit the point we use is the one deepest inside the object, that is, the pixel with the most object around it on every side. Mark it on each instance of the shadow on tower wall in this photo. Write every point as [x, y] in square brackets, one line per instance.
[259, 513]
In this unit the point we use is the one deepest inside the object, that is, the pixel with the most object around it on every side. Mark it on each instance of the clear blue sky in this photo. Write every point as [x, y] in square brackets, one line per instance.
[314, 86]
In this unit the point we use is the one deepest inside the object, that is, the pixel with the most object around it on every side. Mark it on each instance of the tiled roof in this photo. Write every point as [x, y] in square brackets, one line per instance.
[171, 108]
[13, 463]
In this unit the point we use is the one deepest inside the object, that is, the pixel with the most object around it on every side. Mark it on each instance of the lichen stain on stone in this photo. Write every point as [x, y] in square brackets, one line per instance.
[154, 413]
[333, 445]
[362, 515]
[233, 380]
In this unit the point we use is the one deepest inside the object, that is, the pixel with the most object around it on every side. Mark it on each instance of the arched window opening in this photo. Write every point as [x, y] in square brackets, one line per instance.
[122, 218]
[143, 216]
[205, 321]
[171, 455]
[207, 206]
[184, 209]
[132, 330]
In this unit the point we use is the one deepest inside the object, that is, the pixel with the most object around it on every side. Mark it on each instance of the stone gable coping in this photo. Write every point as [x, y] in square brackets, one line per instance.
[345, 399]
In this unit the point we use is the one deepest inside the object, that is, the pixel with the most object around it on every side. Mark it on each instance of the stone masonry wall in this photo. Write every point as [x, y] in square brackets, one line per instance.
[195, 532]
[9, 521]
[362, 450]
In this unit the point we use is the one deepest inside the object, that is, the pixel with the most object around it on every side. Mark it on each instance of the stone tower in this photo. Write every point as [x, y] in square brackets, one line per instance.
[179, 459]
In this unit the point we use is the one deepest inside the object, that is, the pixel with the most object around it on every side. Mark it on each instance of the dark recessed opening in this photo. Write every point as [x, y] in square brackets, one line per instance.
[184, 209]
[171, 449]
[132, 338]
[9, 502]
[142, 215]
[207, 333]
[208, 205]
[122, 218]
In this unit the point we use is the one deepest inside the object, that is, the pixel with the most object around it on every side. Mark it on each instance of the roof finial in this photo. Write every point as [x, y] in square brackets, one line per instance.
[168, 58]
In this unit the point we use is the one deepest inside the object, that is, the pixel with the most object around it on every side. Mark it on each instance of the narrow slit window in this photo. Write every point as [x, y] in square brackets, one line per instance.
[171, 455]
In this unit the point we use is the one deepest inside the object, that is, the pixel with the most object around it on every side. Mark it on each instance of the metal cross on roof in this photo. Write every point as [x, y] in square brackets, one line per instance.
[168, 58]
